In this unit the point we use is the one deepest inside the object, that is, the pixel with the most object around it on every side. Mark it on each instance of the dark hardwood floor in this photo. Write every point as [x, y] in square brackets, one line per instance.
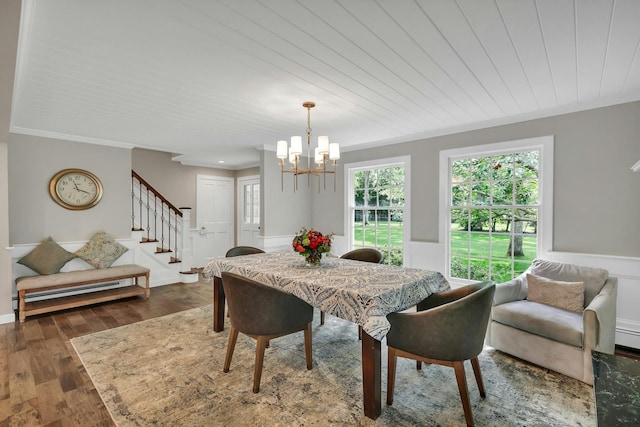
[43, 382]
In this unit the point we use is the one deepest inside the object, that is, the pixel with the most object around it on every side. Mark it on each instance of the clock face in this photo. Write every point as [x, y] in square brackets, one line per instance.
[75, 189]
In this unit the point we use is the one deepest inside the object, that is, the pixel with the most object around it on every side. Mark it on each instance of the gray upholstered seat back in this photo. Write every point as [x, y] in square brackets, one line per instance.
[365, 254]
[243, 250]
[452, 327]
[257, 309]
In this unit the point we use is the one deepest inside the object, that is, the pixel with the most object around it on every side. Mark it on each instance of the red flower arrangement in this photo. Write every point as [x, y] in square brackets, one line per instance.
[312, 244]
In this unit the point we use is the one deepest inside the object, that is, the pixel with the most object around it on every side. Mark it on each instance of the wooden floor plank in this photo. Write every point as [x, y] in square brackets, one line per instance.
[29, 397]
[43, 381]
[53, 406]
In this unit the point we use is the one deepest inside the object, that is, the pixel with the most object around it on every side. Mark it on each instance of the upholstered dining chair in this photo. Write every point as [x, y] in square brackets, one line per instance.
[365, 255]
[263, 312]
[448, 329]
[243, 250]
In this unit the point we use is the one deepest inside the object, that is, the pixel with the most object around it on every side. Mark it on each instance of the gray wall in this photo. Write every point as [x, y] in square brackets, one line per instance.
[33, 215]
[9, 25]
[282, 212]
[596, 195]
[177, 182]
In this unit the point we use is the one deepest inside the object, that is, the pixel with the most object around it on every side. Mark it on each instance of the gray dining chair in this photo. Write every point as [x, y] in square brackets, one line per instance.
[365, 255]
[243, 250]
[448, 329]
[263, 313]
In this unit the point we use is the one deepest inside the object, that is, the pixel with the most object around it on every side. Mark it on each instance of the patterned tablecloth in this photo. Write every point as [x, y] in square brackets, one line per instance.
[361, 292]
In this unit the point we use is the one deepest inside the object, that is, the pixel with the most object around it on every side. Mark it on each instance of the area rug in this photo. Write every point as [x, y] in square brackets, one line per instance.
[168, 372]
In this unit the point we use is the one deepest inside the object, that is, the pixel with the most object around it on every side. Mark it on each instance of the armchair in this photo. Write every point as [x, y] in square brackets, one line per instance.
[552, 337]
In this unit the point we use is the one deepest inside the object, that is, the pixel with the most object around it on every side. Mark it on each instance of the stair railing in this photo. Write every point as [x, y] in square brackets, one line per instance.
[160, 220]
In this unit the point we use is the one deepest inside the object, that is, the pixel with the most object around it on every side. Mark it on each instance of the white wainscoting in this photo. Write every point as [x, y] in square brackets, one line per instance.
[627, 270]
[431, 256]
[162, 273]
[275, 243]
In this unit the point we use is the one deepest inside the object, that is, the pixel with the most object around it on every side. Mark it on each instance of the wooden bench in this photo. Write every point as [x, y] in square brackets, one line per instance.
[49, 282]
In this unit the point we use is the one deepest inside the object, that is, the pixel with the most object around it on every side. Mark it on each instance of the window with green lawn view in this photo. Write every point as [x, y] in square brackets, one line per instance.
[493, 215]
[378, 209]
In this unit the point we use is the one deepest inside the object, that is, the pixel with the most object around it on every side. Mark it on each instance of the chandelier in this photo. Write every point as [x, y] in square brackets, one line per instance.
[323, 154]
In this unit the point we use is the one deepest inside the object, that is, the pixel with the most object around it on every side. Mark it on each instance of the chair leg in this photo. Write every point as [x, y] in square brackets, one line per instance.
[257, 373]
[464, 392]
[308, 345]
[391, 374]
[322, 317]
[476, 371]
[359, 333]
[418, 365]
[233, 337]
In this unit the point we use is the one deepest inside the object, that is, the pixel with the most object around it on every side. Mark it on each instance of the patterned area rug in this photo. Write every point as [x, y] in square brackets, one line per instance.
[168, 372]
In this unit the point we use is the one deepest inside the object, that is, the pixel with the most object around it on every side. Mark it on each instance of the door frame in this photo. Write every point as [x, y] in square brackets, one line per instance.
[199, 223]
[240, 204]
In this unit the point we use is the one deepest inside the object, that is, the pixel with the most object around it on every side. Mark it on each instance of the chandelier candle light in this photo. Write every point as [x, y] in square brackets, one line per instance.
[323, 153]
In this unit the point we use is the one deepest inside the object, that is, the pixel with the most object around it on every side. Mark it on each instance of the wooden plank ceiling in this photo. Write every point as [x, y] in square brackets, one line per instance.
[212, 80]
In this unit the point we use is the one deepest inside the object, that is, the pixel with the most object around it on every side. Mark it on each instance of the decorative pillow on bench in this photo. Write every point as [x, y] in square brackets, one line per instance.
[101, 251]
[565, 295]
[47, 258]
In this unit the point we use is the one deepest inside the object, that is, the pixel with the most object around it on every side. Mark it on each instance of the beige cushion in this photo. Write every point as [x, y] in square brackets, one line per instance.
[29, 283]
[101, 251]
[47, 258]
[541, 319]
[593, 278]
[566, 295]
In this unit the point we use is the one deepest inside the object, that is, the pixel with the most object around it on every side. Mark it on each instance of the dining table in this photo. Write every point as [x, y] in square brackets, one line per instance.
[361, 292]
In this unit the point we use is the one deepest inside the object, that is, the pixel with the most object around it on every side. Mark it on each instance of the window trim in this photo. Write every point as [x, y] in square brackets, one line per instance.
[349, 171]
[545, 228]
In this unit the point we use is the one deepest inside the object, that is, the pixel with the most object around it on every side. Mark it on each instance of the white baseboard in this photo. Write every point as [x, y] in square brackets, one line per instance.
[7, 318]
[628, 333]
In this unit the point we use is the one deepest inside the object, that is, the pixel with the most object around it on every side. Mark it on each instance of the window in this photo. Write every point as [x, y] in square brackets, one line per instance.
[378, 207]
[496, 209]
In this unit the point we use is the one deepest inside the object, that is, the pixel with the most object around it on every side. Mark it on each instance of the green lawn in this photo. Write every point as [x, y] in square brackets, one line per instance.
[473, 245]
[476, 246]
[389, 239]
[389, 234]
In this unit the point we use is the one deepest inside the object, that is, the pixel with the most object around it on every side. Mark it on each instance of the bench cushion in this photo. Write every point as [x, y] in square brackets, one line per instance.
[540, 319]
[79, 276]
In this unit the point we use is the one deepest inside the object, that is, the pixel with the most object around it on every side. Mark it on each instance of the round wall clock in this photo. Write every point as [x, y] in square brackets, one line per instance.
[75, 189]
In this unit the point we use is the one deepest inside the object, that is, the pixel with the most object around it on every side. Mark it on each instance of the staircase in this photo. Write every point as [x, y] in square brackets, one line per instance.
[160, 228]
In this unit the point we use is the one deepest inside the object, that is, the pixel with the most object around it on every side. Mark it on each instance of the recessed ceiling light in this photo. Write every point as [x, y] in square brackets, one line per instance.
[220, 161]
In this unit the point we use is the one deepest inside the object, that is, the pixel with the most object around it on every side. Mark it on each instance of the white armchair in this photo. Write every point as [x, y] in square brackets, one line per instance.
[552, 337]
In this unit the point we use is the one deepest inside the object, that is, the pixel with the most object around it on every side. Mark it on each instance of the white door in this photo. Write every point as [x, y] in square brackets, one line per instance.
[248, 210]
[214, 215]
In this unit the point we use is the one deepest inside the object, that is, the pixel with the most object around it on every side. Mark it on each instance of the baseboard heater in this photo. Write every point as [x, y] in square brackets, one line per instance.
[78, 290]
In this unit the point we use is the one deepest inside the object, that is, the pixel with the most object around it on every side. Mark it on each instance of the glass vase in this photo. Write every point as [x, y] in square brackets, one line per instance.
[313, 260]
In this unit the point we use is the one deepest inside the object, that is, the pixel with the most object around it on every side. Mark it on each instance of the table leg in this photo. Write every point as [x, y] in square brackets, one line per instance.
[218, 305]
[371, 375]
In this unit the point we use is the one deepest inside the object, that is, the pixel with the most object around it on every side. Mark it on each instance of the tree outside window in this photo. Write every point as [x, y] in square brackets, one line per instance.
[494, 210]
[378, 210]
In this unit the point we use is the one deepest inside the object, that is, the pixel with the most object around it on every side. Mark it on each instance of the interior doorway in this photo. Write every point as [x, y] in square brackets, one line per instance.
[215, 215]
[248, 210]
